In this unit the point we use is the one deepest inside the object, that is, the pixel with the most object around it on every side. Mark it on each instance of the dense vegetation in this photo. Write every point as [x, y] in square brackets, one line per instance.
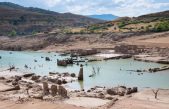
[162, 26]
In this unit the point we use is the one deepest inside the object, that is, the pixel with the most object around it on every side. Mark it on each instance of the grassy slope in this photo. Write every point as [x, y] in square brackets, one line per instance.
[151, 22]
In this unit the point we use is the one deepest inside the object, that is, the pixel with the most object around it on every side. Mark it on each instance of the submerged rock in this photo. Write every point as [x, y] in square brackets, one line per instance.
[73, 75]
[47, 58]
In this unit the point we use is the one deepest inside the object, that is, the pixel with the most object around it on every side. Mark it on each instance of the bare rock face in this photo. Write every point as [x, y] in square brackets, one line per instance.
[54, 90]
[45, 88]
[62, 91]
[80, 76]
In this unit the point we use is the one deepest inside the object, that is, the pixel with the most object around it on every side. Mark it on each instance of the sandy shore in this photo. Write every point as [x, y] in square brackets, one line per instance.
[144, 100]
[36, 104]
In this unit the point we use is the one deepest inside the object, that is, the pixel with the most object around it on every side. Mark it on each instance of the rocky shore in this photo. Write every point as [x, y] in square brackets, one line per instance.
[22, 88]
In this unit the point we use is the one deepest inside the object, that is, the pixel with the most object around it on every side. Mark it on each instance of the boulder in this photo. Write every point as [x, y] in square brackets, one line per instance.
[54, 90]
[121, 91]
[117, 91]
[111, 91]
[134, 89]
[128, 91]
[45, 88]
[101, 95]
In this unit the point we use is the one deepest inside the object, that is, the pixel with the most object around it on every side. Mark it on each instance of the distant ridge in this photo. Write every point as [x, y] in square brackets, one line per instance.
[107, 17]
[26, 20]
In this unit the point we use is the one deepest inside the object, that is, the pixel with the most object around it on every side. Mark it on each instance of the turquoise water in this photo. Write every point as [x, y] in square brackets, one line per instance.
[112, 72]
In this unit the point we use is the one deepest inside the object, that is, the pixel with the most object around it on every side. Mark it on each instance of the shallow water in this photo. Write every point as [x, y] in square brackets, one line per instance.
[112, 72]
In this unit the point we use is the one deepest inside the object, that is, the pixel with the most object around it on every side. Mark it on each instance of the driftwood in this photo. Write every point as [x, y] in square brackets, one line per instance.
[156, 93]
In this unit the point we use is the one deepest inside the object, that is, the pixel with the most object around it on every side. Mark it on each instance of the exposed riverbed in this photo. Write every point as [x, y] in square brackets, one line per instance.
[112, 72]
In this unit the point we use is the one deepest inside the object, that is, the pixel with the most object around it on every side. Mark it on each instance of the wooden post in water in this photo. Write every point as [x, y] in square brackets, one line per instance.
[80, 76]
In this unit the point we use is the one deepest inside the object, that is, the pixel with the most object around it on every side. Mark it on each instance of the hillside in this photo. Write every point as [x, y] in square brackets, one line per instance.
[155, 22]
[15, 19]
[107, 17]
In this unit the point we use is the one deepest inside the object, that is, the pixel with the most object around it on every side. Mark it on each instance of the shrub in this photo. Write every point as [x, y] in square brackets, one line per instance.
[121, 24]
[162, 26]
[12, 33]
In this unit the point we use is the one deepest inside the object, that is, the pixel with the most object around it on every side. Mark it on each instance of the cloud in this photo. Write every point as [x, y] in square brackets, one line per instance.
[51, 3]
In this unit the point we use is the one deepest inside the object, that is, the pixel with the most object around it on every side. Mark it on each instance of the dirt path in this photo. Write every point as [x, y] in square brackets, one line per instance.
[36, 105]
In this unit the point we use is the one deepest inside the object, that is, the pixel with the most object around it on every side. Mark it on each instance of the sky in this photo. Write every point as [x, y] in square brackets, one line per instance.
[89, 7]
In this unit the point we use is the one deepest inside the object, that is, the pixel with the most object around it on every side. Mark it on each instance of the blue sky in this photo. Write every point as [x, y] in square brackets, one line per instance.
[88, 7]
